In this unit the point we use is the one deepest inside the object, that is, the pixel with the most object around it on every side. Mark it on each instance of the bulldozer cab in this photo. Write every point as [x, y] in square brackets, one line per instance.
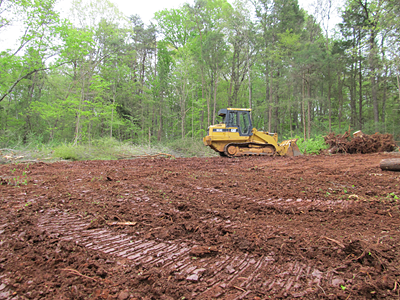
[238, 119]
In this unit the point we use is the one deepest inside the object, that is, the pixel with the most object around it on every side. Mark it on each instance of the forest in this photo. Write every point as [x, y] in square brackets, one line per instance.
[102, 74]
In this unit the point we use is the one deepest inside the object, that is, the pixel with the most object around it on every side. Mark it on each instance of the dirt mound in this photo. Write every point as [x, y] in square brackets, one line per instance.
[361, 143]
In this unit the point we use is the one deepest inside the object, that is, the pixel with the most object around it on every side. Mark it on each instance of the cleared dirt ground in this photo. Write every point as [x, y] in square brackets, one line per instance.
[310, 227]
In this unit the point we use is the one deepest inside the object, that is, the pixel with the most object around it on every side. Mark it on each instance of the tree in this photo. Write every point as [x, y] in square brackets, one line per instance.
[275, 18]
[36, 46]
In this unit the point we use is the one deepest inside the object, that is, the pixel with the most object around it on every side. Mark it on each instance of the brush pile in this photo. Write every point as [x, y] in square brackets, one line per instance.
[360, 143]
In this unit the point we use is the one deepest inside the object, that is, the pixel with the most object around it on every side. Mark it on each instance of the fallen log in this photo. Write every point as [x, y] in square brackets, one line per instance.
[391, 164]
[146, 156]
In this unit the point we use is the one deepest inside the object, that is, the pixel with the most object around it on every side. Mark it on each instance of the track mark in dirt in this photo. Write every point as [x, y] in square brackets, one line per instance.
[218, 276]
[298, 204]
[5, 292]
[70, 228]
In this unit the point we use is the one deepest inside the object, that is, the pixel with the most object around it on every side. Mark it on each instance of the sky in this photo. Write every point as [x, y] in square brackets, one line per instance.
[144, 8]
[147, 8]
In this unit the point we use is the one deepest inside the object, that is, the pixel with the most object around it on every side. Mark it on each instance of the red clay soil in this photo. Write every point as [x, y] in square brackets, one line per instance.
[310, 227]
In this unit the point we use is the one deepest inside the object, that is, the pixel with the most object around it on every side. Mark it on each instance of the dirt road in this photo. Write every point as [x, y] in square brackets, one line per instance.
[310, 227]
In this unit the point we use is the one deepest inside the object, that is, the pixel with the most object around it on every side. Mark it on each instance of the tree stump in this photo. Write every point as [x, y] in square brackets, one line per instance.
[391, 164]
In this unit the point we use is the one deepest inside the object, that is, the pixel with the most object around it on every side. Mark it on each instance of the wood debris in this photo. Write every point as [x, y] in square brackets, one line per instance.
[158, 155]
[78, 273]
[360, 143]
[335, 241]
[122, 223]
[391, 164]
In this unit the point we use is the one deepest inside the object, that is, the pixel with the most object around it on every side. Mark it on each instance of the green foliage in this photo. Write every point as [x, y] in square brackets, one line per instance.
[312, 146]
[393, 196]
[104, 148]
[69, 152]
[110, 148]
[188, 147]
[36, 46]
[77, 83]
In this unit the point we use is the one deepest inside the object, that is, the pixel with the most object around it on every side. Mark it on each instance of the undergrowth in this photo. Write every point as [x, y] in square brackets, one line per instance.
[188, 147]
[110, 148]
[313, 145]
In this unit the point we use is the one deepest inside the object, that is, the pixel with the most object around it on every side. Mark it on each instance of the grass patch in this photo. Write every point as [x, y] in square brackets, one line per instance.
[110, 149]
[188, 147]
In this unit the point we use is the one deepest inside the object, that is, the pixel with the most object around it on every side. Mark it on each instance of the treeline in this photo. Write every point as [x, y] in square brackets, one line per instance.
[101, 74]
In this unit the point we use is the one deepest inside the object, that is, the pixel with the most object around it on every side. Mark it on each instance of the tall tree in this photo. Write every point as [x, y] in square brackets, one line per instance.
[36, 45]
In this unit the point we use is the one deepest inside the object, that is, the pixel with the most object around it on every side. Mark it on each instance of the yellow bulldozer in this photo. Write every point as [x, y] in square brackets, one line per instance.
[235, 136]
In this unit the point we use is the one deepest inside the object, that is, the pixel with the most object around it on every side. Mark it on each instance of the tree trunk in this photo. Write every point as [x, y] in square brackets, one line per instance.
[183, 107]
[398, 84]
[373, 79]
[352, 88]
[384, 98]
[161, 95]
[232, 79]
[202, 119]
[303, 107]
[270, 103]
[360, 95]
[290, 119]
[249, 79]
[208, 107]
[160, 121]
[202, 74]
[215, 96]
[392, 164]
[78, 113]
[28, 122]
[340, 96]
[309, 108]
[112, 110]
[276, 113]
[329, 99]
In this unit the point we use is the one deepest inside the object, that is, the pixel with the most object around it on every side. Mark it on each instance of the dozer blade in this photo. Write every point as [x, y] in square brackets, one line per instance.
[291, 148]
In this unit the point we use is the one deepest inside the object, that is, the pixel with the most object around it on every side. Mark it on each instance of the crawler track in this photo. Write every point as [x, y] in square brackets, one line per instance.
[249, 149]
[221, 276]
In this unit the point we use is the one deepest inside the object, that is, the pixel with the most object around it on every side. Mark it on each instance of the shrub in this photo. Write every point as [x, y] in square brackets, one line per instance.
[67, 151]
[188, 147]
[313, 145]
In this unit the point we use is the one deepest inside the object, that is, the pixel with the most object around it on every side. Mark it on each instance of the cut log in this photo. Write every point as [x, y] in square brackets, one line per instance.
[391, 164]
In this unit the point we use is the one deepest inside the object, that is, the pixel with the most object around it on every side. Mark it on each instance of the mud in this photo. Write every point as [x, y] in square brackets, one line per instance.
[310, 227]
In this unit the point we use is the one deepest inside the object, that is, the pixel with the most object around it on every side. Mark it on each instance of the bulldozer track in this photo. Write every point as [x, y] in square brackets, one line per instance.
[248, 145]
[299, 204]
[5, 291]
[222, 276]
